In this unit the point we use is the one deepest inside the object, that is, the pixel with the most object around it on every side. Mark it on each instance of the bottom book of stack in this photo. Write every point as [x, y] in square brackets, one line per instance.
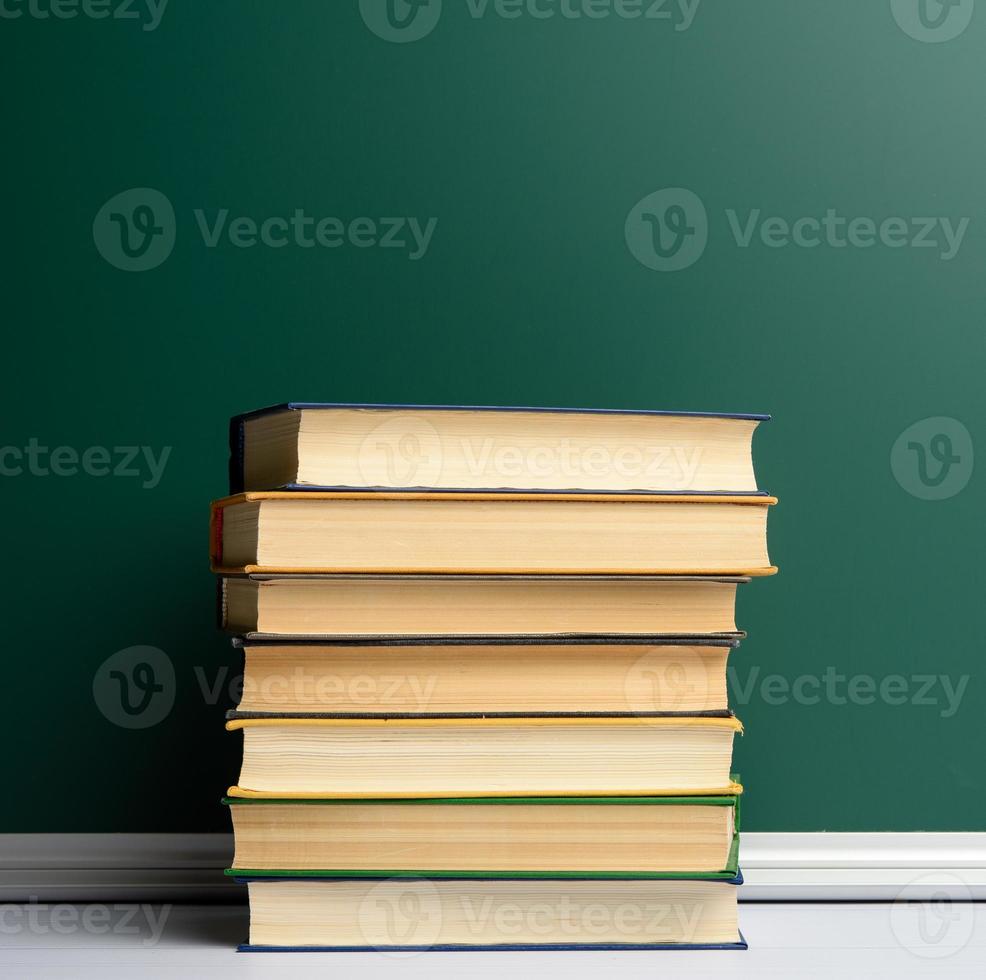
[555, 872]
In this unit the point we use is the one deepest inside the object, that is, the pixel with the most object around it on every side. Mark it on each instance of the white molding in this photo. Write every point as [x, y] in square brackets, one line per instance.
[116, 868]
[777, 867]
[829, 867]
[87, 851]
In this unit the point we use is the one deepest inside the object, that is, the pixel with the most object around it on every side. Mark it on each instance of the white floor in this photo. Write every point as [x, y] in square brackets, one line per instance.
[786, 941]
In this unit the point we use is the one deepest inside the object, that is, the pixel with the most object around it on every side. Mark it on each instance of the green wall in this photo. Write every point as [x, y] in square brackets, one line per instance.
[529, 140]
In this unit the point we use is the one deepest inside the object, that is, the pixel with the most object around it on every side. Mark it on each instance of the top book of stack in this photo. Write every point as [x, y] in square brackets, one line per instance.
[449, 449]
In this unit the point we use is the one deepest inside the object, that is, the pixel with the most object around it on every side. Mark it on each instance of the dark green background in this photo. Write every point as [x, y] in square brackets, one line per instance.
[529, 141]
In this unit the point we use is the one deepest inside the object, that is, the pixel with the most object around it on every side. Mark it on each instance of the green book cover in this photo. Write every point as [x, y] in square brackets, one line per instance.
[729, 872]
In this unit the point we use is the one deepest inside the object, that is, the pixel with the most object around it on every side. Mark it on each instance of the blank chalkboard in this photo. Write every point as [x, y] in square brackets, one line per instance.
[720, 206]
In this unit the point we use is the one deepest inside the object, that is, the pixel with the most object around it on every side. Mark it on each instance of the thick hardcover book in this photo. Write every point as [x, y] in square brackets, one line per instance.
[459, 915]
[531, 756]
[469, 678]
[629, 837]
[478, 608]
[477, 533]
[451, 448]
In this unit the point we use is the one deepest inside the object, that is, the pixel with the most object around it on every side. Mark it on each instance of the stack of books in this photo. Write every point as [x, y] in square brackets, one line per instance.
[484, 698]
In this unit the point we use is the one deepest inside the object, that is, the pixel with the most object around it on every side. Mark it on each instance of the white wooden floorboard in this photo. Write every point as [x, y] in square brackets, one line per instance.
[787, 941]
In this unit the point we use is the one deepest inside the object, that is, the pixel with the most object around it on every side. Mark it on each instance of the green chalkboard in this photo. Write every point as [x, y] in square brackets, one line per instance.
[753, 207]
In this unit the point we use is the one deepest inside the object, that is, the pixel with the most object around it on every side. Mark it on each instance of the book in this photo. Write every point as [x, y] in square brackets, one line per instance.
[484, 533]
[462, 914]
[542, 756]
[592, 837]
[304, 445]
[471, 606]
[452, 678]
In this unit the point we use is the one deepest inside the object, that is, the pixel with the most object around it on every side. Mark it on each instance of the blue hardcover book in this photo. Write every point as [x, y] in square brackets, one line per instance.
[461, 448]
[443, 915]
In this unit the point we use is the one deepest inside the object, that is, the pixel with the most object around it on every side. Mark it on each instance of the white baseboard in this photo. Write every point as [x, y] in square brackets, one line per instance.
[117, 868]
[828, 867]
[821, 867]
